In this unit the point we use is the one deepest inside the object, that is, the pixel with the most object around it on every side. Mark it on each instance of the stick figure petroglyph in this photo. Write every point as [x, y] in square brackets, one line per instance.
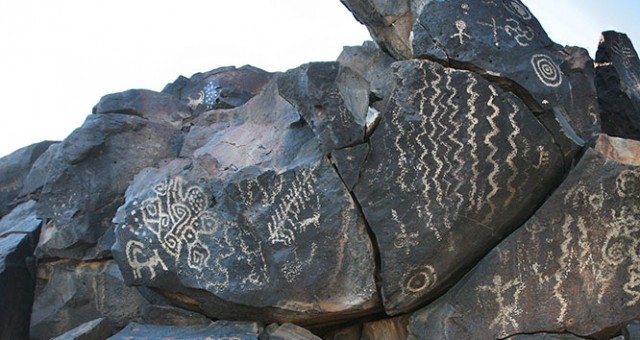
[461, 26]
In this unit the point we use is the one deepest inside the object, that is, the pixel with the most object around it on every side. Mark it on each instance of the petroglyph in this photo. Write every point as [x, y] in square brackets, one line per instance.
[294, 268]
[546, 69]
[461, 26]
[512, 28]
[419, 280]
[139, 260]
[543, 157]
[195, 102]
[502, 292]
[625, 52]
[405, 240]
[519, 9]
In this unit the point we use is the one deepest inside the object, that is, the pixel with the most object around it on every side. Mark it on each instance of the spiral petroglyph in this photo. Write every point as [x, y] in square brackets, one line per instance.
[546, 69]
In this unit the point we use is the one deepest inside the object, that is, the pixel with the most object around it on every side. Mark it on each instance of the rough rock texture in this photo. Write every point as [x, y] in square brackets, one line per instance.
[217, 330]
[222, 88]
[22, 220]
[388, 329]
[618, 84]
[13, 171]
[70, 293]
[157, 107]
[333, 100]
[16, 284]
[573, 260]
[289, 331]
[87, 177]
[287, 246]
[100, 328]
[465, 151]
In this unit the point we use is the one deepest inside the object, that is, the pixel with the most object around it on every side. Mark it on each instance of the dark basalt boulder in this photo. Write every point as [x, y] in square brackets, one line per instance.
[573, 267]
[17, 284]
[222, 88]
[333, 100]
[22, 220]
[157, 107]
[217, 330]
[87, 176]
[285, 246]
[618, 84]
[70, 293]
[468, 159]
[13, 171]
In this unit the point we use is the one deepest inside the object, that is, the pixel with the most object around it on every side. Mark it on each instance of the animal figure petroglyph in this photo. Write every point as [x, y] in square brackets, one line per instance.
[138, 259]
[195, 102]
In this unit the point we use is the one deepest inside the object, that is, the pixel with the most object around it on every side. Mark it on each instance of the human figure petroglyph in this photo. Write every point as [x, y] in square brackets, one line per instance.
[507, 312]
[461, 26]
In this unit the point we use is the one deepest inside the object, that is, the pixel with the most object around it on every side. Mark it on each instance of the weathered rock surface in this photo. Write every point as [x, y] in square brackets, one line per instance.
[22, 220]
[222, 88]
[348, 162]
[464, 153]
[217, 330]
[87, 177]
[287, 247]
[333, 100]
[572, 267]
[387, 329]
[100, 328]
[289, 331]
[70, 293]
[157, 107]
[13, 171]
[618, 85]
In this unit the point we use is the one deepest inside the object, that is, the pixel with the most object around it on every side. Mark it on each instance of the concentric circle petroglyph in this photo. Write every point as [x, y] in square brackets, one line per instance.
[546, 69]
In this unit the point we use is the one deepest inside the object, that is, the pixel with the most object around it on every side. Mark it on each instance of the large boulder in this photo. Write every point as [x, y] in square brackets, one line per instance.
[70, 293]
[14, 169]
[573, 267]
[469, 159]
[87, 176]
[618, 84]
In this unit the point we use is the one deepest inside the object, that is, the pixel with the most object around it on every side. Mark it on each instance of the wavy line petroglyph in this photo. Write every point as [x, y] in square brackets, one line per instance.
[475, 161]
[507, 312]
[513, 153]
[491, 157]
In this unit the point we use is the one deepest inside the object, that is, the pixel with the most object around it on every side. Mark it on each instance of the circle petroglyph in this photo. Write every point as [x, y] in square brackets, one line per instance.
[421, 279]
[546, 70]
[521, 10]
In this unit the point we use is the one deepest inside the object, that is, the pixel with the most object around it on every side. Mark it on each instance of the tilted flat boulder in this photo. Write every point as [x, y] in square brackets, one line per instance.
[22, 220]
[470, 164]
[100, 328]
[222, 88]
[280, 247]
[217, 330]
[618, 85]
[573, 267]
[88, 175]
[13, 171]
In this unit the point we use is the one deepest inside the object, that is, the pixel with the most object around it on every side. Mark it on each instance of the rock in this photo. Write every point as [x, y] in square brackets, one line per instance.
[387, 329]
[157, 107]
[289, 331]
[468, 159]
[222, 88]
[16, 284]
[281, 247]
[87, 177]
[70, 293]
[625, 151]
[372, 64]
[389, 22]
[573, 267]
[22, 220]
[632, 330]
[348, 162]
[266, 133]
[217, 330]
[332, 100]
[545, 336]
[14, 168]
[618, 85]
[100, 328]
[37, 176]
[353, 332]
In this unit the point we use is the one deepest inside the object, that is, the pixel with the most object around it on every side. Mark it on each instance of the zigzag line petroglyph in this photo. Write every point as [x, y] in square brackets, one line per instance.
[453, 137]
[475, 161]
[285, 221]
[564, 267]
[402, 153]
[422, 164]
[432, 135]
[513, 154]
[447, 120]
[494, 150]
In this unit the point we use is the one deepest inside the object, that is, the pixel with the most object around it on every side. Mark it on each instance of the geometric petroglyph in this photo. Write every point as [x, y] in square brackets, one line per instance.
[507, 296]
[546, 69]
[420, 279]
[512, 28]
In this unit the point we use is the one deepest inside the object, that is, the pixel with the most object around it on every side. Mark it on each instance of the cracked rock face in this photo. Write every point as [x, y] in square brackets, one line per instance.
[618, 84]
[573, 260]
[465, 152]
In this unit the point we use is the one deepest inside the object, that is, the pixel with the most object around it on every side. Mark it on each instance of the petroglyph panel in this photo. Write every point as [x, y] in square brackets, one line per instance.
[579, 251]
[470, 159]
[253, 244]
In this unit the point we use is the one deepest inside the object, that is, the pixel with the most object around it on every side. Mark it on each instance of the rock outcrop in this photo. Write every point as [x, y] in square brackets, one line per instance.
[448, 181]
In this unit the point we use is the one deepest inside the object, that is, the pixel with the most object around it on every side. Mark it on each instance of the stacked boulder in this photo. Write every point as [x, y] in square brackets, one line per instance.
[449, 181]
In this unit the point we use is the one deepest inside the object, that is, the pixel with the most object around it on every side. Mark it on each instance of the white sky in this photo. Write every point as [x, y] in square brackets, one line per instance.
[58, 58]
